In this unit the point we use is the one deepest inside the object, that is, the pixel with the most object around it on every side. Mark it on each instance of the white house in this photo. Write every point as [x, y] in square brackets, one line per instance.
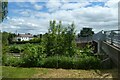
[24, 37]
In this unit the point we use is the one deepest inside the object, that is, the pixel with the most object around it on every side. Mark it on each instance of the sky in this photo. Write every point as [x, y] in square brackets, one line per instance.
[33, 16]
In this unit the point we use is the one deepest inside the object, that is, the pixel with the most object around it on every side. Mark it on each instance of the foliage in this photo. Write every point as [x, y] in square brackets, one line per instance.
[4, 12]
[86, 32]
[11, 37]
[56, 49]
[35, 40]
[88, 50]
[32, 54]
[10, 60]
[88, 62]
[60, 39]
[7, 38]
[15, 49]
[5, 41]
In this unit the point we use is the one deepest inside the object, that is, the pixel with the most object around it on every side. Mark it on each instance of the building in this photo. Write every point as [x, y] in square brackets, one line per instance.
[24, 37]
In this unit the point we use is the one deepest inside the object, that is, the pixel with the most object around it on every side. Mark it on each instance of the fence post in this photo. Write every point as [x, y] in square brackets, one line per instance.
[112, 34]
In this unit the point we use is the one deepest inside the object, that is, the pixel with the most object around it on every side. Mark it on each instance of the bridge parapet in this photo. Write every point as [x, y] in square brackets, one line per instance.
[113, 37]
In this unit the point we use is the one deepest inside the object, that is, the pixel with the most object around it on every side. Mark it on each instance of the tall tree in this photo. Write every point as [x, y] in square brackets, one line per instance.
[60, 40]
[86, 32]
[3, 9]
[5, 36]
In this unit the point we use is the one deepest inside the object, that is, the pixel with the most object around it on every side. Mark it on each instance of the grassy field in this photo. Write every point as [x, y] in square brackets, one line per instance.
[14, 72]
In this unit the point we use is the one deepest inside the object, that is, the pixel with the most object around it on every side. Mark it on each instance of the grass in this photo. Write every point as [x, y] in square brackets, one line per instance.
[14, 72]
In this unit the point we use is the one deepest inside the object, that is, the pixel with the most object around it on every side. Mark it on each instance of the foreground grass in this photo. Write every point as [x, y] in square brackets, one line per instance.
[14, 72]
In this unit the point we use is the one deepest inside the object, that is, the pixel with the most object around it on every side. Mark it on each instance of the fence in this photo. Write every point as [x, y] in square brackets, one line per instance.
[113, 37]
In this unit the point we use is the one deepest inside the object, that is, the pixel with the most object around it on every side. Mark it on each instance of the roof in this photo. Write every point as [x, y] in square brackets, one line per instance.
[25, 35]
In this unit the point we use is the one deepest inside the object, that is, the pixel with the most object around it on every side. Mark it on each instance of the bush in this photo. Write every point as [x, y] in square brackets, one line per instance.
[88, 62]
[32, 54]
[58, 62]
[31, 59]
[9, 60]
[5, 49]
[15, 49]
[51, 62]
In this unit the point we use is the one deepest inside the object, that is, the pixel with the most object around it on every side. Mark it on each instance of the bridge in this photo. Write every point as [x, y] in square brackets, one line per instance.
[108, 43]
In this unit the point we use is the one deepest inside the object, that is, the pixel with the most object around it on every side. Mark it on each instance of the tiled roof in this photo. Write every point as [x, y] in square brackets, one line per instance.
[25, 35]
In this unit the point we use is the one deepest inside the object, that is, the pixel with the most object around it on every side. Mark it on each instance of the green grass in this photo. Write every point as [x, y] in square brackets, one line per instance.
[18, 72]
[14, 72]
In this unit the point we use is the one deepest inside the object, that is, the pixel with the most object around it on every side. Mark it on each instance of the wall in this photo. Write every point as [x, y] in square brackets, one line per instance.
[113, 52]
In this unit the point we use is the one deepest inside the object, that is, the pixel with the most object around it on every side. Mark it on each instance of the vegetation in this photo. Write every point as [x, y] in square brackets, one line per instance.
[7, 38]
[86, 32]
[88, 62]
[60, 40]
[4, 12]
[12, 72]
[56, 49]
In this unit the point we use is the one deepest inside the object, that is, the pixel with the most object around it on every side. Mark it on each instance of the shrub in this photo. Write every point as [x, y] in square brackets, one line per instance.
[88, 62]
[15, 49]
[65, 62]
[51, 62]
[5, 49]
[32, 54]
[88, 50]
[9, 60]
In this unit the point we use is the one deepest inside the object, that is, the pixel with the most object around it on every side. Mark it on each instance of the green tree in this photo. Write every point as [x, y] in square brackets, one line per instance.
[60, 40]
[71, 39]
[85, 32]
[11, 37]
[3, 10]
[5, 36]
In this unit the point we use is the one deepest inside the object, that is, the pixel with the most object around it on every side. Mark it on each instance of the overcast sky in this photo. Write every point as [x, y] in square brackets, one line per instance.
[33, 16]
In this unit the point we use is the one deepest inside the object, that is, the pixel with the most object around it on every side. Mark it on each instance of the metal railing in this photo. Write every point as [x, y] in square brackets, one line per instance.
[113, 37]
[96, 37]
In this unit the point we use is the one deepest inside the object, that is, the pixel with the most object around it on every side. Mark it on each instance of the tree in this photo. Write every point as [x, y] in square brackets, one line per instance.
[19, 40]
[11, 37]
[5, 36]
[60, 40]
[3, 10]
[86, 32]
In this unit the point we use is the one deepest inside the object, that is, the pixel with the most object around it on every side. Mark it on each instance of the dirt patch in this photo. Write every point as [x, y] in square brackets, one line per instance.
[63, 73]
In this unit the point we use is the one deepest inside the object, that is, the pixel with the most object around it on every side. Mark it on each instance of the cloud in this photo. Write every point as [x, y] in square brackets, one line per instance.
[24, 24]
[37, 7]
[53, 5]
[74, 5]
[97, 17]
[112, 3]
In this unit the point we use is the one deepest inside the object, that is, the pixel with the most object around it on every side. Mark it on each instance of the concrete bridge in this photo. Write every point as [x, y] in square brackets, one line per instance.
[108, 43]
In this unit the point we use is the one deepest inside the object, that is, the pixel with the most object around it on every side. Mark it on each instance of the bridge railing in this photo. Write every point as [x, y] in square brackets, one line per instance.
[96, 37]
[113, 37]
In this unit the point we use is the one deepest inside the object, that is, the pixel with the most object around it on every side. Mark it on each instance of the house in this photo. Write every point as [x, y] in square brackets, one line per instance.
[24, 37]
